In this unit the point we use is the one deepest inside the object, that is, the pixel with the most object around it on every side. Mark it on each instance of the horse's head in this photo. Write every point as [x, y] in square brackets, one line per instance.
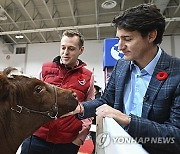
[26, 104]
[29, 95]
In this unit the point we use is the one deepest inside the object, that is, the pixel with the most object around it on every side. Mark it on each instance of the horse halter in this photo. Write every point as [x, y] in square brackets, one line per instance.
[52, 113]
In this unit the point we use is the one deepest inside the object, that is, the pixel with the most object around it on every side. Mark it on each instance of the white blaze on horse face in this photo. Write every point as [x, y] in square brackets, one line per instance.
[16, 72]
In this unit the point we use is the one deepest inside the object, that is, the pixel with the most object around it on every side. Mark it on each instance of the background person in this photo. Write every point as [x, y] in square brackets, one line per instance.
[97, 93]
[66, 134]
[143, 92]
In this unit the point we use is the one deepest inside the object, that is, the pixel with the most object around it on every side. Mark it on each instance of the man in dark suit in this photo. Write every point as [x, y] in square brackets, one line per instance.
[143, 92]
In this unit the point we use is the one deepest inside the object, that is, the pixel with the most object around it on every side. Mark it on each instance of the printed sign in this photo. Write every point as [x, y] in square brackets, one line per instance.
[111, 53]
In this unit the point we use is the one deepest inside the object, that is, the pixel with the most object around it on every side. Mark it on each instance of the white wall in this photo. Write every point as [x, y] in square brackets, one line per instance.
[177, 46]
[93, 58]
[39, 53]
[13, 61]
[166, 44]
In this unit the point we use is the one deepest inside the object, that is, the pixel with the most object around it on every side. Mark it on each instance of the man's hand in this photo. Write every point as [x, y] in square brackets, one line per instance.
[79, 109]
[107, 111]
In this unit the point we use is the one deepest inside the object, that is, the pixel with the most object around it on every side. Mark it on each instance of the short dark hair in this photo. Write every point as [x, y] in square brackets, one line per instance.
[72, 33]
[144, 18]
[97, 88]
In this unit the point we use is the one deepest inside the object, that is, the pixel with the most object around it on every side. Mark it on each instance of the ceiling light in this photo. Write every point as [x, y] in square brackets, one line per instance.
[108, 4]
[19, 36]
[3, 17]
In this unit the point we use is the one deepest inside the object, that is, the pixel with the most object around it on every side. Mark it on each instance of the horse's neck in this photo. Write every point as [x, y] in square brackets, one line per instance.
[6, 148]
[15, 127]
[9, 142]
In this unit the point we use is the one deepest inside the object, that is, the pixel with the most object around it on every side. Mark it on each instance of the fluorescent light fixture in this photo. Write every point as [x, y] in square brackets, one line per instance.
[108, 4]
[19, 36]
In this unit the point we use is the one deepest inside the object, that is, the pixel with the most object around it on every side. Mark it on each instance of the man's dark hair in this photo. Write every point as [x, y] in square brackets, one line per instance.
[72, 33]
[97, 88]
[143, 18]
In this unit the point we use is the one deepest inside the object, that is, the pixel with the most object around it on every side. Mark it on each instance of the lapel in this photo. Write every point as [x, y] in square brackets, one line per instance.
[155, 84]
[120, 82]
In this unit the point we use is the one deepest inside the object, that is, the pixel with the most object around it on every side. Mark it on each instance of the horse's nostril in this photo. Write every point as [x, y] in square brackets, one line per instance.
[74, 94]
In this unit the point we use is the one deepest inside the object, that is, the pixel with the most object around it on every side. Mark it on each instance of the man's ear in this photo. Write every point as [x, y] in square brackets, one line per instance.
[81, 50]
[152, 36]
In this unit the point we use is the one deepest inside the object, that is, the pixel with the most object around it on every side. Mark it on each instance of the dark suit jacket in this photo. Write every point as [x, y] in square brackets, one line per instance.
[161, 104]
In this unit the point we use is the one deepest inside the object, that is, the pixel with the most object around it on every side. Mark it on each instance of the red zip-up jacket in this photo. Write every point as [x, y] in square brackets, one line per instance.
[66, 129]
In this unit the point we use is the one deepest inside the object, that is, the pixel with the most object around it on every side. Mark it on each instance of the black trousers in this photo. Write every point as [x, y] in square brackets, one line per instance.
[40, 146]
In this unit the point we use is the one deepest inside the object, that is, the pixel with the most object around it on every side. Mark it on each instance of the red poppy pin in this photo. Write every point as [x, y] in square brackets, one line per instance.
[81, 80]
[162, 76]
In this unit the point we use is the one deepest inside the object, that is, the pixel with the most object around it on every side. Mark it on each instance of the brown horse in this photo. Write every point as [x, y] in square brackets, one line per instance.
[26, 104]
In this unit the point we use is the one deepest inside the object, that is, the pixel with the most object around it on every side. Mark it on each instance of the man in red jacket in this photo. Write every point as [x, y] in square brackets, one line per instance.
[64, 135]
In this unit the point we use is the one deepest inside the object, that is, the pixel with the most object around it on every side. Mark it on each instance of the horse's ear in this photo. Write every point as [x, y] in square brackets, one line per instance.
[5, 87]
[8, 70]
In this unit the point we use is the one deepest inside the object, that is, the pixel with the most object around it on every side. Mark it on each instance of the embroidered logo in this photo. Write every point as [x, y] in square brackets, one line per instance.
[162, 76]
[81, 80]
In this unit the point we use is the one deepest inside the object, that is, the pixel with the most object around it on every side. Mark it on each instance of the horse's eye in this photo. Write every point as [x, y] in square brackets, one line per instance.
[38, 89]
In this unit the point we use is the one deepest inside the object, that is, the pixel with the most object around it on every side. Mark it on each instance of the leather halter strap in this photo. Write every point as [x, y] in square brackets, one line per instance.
[52, 113]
